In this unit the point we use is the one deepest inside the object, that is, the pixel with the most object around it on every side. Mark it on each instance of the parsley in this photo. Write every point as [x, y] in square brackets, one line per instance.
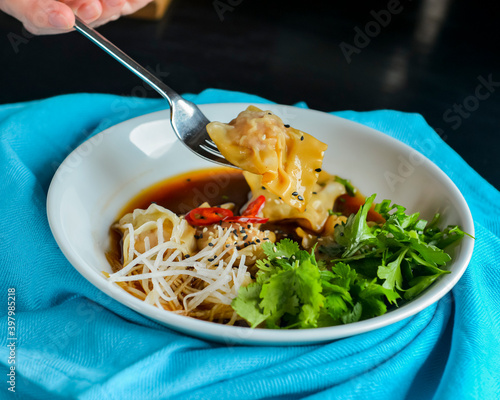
[351, 190]
[366, 270]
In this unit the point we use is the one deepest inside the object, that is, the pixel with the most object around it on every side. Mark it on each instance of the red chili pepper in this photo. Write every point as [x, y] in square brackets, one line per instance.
[207, 215]
[255, 207]
[246, 220]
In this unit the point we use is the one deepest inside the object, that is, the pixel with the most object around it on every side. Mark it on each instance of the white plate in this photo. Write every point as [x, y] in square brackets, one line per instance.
[97, 179]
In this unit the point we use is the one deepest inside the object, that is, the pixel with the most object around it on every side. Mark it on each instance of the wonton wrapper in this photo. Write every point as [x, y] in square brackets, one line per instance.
[287, 159]
[316, 213]
[145, 224]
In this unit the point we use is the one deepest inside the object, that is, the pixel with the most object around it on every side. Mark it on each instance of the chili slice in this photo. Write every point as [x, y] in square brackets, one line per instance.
[204, 216]
[255, 207]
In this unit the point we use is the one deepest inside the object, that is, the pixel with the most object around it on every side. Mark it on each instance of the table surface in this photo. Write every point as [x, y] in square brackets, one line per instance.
[438, 58]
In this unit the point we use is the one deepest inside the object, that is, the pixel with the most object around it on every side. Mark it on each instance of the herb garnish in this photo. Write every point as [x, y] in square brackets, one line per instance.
[367, 269]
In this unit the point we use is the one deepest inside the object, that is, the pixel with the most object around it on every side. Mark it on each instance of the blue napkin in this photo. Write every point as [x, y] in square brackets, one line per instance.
[75, 342]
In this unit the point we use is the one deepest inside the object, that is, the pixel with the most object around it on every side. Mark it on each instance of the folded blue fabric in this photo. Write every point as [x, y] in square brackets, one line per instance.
[75, 342]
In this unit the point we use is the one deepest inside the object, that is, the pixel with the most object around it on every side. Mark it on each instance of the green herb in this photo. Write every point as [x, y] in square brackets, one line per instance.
[331, 212]
[363, 272]
[351, 190]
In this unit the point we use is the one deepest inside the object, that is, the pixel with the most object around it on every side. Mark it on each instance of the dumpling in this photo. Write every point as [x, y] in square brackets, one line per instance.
[287, 160]
[152, 226]
[313, 218]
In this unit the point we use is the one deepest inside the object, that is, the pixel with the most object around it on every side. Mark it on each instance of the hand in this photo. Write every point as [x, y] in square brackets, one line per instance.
[46, 17]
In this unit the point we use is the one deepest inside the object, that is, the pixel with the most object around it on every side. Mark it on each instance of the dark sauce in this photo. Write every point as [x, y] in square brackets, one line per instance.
[180, 194]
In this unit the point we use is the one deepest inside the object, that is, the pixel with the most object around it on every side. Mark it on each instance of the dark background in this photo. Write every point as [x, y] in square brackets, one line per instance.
[428, 59]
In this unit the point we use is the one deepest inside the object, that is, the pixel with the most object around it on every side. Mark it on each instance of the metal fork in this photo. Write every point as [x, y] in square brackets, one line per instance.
[187, 120]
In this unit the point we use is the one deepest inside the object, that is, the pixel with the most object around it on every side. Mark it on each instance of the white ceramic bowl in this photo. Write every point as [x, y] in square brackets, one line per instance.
[103, 174]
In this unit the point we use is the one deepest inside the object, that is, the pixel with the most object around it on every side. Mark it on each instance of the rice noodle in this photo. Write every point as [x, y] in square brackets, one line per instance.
[202, 284]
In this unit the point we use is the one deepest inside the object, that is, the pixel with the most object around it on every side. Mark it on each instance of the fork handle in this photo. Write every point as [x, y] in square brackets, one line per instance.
[125, 60]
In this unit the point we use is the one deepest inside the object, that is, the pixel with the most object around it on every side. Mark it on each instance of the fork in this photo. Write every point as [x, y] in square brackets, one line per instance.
[187, 120]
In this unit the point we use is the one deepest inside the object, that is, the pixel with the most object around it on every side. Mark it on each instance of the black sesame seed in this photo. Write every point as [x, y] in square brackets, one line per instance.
[249, 226]
[238, 247]
[336, 225]
[211, 244]
[341, 233]
[227, 245]
[302, 138]
[245, 237]
[315, 193]
[295, 193]
[187, 256]
[258, 240]
[189, 180]
[269, 114]
[263, 187]
[287, 126]
[300, 198]
[318, 169]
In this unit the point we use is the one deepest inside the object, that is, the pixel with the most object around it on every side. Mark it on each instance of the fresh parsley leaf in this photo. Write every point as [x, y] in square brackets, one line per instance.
[285, 248]
[391, 273]
[351, 190]
[419, 284]
[355, 233]
[247, 304]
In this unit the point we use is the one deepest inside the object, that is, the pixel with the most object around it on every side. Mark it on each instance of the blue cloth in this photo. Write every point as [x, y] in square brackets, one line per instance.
[75, 342]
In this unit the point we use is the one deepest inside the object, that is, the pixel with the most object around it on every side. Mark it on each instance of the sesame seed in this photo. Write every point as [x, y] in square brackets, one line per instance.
[227, 245]
[187, 256]
[278, 258]
[269, 114]
[263, 187]
[189, 180]
[245, 237]
[205, 229]
[315, 193]
[295, 193]
[249, 226]
[275, 249]
[318, 169]
[300, 198]
[211, 244]
[287, 126]
[302, 138]
[238, 247]
[258, 240]
[263, 137]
